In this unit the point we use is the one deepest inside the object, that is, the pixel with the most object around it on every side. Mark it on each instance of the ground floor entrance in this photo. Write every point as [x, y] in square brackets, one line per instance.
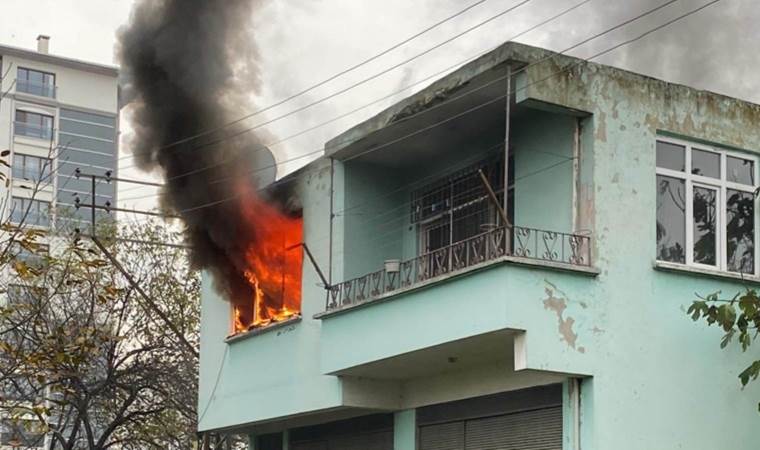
[528, 419]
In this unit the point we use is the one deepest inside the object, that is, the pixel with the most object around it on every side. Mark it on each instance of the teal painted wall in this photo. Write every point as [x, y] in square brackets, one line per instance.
[375, 217]
[543, 149]
[658, 381]
[273, 374]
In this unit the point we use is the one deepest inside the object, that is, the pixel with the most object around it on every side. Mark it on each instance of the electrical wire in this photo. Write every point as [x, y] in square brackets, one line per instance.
[627, 42]
[410, 86]
[365, 80]
[458, 97]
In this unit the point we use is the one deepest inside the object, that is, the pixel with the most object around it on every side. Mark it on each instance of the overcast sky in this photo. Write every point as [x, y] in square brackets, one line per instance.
[301, 42]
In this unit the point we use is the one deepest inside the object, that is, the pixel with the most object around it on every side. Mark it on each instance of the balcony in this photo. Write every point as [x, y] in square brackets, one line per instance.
[38, 89]
[32, 130]
[499, 244]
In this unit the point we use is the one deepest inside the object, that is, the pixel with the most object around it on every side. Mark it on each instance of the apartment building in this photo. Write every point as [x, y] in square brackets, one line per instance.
[57, 115]
[548, 313]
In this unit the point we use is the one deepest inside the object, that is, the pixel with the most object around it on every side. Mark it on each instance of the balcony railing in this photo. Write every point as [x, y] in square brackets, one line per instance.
[32, 130]
[39, 89]
[551, 246]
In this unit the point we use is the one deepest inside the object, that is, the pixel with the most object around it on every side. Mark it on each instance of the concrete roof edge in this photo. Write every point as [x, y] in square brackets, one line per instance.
[509, 51]
[71, 63]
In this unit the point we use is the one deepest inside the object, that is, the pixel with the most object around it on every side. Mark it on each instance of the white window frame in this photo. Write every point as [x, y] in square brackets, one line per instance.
[721, 186]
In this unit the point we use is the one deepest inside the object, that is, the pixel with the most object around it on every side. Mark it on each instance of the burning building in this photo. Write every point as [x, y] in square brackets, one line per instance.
[183, 92]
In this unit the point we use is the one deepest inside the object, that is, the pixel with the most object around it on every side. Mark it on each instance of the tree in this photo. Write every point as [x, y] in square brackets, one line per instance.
[86, 361]
[739, 317]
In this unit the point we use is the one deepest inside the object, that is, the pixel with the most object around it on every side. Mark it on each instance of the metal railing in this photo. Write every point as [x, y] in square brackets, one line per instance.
[39, 89]
[531, 243]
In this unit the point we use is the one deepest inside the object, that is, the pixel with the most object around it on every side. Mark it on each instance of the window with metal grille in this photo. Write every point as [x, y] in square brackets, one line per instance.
[458, 207]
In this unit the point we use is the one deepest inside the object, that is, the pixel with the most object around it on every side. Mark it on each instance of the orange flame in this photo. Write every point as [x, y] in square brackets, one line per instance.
[274, 260]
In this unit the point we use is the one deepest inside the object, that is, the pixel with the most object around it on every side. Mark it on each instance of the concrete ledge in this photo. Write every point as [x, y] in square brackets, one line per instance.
[553, 265]
[710, 273]
[262, 330]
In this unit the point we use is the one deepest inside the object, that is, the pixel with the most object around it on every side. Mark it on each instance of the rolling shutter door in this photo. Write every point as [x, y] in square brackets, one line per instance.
[317, 445]
[531, 430]
[539, 429]
[374, 441]
[447, 436]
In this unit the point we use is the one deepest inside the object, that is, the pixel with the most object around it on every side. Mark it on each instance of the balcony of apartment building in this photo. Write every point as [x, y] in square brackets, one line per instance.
[36, 83]
[444, 239]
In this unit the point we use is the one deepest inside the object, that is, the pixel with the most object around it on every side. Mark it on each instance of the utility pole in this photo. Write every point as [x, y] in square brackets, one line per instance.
[149, 304]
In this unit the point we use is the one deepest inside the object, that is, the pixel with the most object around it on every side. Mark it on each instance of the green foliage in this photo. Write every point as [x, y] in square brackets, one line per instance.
[738, 317]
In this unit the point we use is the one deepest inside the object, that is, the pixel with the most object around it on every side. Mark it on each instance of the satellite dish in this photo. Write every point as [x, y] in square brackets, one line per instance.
[265, 167]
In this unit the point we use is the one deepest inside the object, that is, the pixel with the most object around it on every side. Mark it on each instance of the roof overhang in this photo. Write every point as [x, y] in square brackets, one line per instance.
[71, 63]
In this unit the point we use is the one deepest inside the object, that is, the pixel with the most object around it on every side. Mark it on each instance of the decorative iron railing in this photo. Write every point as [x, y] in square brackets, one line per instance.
[552, 246]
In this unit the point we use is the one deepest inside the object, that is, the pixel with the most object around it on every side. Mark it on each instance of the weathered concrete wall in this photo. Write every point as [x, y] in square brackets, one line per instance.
[374, 216]
[273, 374]
[658, 381]
[543, 149]
[676, 384]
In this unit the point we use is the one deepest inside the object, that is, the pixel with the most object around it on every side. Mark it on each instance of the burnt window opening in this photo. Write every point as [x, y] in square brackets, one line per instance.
[274, 262]
[458, 206]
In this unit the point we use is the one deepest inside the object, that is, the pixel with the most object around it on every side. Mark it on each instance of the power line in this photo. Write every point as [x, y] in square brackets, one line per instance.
[332, 77]
[471, 58]
[458, 97]
[627, 42]
[361, 82]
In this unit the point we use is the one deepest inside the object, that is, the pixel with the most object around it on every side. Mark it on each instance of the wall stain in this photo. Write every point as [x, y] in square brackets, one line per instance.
[556, 301]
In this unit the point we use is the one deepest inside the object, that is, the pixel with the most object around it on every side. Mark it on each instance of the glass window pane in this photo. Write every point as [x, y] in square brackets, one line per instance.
[671, 219]
[704, 210]
[705, 163]
[671, 156]
[35, 77]
[739, 170]
[740, 231]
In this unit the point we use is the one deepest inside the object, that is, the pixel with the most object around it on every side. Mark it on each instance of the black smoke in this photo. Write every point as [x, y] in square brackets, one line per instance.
[190, 66]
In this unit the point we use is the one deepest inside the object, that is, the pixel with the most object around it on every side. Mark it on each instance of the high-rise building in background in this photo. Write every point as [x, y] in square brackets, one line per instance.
[57, 115]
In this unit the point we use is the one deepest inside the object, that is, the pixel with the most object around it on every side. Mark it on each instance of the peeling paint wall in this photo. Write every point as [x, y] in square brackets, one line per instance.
[653, 379]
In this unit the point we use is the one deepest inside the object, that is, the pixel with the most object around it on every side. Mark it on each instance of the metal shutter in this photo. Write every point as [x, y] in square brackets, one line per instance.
[531, 430]
[539, 429]
[372, 441]
[314, 445]
[382, 440]
[447, 436]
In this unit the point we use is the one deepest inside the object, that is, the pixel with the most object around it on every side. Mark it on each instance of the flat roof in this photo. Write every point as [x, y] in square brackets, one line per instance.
[461, 79]
[72, 63]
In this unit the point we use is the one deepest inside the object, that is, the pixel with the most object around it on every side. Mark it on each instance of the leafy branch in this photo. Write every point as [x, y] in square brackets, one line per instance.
[739, 317]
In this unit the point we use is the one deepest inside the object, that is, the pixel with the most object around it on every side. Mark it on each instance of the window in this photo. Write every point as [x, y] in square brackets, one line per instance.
[35, 255]
[33, 125]
[458, 207]
[30, 167]
[30, 212]
[706, 214]
[35, 82]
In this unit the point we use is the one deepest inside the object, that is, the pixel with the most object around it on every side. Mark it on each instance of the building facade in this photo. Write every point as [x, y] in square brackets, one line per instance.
[57, 115]
[548, 313]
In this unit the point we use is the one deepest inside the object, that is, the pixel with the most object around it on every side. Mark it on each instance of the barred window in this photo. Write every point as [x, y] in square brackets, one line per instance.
[458, 206]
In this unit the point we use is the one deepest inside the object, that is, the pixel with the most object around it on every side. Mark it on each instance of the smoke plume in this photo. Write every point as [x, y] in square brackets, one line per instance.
[190, 66]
